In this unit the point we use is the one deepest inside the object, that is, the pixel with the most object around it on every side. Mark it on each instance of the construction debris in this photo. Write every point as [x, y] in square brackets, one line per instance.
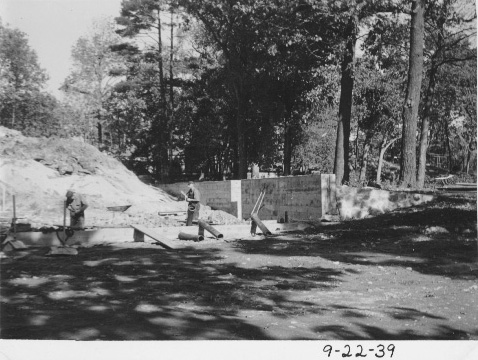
[205, 226]
[184, 236]
[12, 244]
[256, 222]
[62, 251]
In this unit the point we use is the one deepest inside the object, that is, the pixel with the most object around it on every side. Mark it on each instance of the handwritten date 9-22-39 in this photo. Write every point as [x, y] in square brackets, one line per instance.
[379, 351]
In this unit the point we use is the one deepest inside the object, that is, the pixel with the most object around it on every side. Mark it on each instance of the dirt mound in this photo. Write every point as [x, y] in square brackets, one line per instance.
[65, 156]
[40, 171]
[217, 216]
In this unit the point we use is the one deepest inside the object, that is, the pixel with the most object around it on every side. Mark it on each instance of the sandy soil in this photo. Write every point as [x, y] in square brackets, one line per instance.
[39, 171]
[410, 274]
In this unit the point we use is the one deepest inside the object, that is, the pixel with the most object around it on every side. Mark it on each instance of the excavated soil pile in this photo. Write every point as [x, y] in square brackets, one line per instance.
[39, 171]
[218, 216]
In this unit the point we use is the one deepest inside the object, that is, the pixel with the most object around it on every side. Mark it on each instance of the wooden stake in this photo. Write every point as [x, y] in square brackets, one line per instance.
[3, 197]
[64, 221]
[14, 220]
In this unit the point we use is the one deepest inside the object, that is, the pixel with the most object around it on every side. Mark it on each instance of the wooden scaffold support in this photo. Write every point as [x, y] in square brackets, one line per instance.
[255, 221]
[11, 242]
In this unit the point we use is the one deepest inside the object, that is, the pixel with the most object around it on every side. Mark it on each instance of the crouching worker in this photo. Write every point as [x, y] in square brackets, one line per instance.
[77, 206]
[193, 197]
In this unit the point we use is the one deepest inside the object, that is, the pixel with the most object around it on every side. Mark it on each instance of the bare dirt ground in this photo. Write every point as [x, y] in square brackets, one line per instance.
[410, 275]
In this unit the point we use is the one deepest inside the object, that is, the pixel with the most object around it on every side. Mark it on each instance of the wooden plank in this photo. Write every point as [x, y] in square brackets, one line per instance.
[62, 251]
[457, 188]
[466, 184]
[171, 213]
[153, 235]
[118, 208]
[444, 177]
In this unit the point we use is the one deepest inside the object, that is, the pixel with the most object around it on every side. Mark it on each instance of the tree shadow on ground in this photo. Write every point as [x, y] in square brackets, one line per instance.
[364, 331]
[396, 312]
[144, 294]
[435, 240]
[110, 293]
[367, 332]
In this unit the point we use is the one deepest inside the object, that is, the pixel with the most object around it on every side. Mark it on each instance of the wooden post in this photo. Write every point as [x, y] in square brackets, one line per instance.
[64, 221]
[3, 197]
[14, 220]
[138, 236]
[64, 213]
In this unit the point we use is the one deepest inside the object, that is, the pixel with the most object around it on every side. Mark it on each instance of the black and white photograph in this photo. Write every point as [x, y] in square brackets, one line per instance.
[178, 172]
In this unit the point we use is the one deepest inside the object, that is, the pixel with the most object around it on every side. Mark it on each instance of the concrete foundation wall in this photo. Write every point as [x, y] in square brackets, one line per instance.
[83, 237]
[309, 197]
[356, 203]
[302, 197]
[119, 235]
[219, 195]
[298, 196]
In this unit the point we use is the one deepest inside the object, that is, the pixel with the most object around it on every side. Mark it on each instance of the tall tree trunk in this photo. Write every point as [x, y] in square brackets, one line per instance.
[448, 146]
[13, 116]
[241, 164]
[422, 160]
[171, 90]
[356, 148]
[288, 129]
[163, 130]
[408, 165]
[287, 148]
[428, 105]
[471, 156]
[100, 133]
[383, 148]
[363, 169]
[341, 163]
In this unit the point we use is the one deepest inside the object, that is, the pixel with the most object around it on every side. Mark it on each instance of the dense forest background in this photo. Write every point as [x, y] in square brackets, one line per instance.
[373, 91]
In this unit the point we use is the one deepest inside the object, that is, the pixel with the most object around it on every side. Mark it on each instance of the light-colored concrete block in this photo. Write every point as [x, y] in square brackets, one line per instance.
[360, 203]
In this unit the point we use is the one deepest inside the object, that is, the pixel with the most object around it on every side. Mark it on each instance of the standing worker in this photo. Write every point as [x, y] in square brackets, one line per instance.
[193, 197]
[77, 206]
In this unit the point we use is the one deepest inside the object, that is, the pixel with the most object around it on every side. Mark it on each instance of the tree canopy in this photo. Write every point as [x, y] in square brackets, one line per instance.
[179, 88]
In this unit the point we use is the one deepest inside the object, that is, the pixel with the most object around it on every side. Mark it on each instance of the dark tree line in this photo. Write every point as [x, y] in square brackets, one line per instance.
[358, 88]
